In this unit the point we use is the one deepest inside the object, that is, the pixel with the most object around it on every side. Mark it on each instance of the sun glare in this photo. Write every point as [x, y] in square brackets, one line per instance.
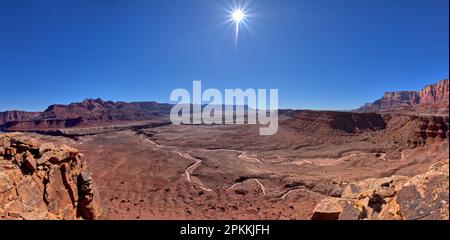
[238, 15]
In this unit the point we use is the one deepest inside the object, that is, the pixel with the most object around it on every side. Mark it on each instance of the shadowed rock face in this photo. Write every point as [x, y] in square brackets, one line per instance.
[332, 121]
[424, 196]
[41, 181]
[431, 97]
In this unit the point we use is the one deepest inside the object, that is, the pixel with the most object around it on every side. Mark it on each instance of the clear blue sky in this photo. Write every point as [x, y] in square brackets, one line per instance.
[320, 54]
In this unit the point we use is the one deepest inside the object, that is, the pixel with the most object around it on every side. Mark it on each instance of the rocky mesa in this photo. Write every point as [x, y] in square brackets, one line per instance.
[88, 113]
[39, 180]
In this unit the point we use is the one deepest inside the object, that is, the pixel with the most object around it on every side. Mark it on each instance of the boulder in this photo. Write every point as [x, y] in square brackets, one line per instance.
[56, 156]
[327, 209]
[30, 163]
[10, 152]
[24, 141]
[44, 147]
[331, 208]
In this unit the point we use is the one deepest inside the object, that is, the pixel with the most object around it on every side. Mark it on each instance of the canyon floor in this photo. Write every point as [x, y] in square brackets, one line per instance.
[231, 172]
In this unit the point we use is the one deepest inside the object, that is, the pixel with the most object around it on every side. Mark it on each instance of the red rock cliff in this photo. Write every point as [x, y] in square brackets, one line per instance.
[9, 116]
[435, 97]
[435, 94]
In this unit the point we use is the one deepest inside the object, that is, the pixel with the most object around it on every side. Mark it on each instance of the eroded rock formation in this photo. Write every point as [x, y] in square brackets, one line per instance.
[41, 181]
[424, 196]
[431, 97]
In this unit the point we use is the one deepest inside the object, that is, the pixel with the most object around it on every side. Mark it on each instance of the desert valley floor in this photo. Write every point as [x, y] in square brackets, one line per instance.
[230, 172]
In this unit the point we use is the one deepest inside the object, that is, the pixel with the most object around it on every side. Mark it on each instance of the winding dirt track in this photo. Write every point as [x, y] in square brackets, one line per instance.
[154, 143]
[243, 155]
[188, 172]
[190, 169]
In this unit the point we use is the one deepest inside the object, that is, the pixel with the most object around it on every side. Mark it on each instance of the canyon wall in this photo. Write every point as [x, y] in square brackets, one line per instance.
[413, 130]
[331, 121]
[397, 127]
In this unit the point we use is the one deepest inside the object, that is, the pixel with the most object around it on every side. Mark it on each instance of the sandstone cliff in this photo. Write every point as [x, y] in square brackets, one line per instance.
[431, 97]
[9, 116]
[41, 181]
[424, 196]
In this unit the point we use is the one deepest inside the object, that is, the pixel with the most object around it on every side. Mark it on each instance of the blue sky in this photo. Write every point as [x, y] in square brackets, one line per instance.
[320, 54]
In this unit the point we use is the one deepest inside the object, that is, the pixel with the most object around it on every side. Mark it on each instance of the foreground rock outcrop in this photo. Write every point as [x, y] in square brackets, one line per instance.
[424, 196]
[41, 181]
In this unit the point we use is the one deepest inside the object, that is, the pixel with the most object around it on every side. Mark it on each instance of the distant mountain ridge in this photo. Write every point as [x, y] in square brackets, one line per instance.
[431, 97]
[89, 112]
[98, 109]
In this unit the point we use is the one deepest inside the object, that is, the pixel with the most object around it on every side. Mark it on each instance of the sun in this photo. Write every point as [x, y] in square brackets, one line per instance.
[238, 15]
